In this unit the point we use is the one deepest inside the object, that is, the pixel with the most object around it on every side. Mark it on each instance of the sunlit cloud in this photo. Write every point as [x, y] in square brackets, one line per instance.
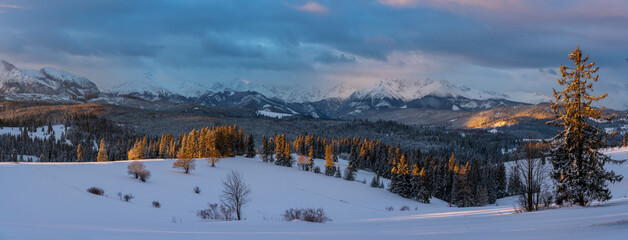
[313, 7]
[11, 6]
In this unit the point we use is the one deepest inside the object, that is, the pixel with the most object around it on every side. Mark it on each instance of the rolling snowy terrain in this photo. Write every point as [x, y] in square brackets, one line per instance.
[50, 201]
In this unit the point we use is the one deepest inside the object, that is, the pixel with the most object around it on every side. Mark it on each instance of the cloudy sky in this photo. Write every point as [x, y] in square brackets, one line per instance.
[500, 45]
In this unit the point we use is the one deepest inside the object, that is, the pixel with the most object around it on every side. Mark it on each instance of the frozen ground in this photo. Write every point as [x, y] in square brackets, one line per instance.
[41, 133]
[49, 201]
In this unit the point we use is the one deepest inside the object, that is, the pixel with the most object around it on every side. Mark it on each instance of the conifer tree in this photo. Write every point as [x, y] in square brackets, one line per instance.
[420, 185]
[79, 153]
[400, 182]
[310, 159]
[624, 143]
[266, 149]
[579, 166]
[375, 181]
[338, 172]
[500, 179]
[349, 173]
[462, 196]
[330, 168]
[250, 146]
[102, 151]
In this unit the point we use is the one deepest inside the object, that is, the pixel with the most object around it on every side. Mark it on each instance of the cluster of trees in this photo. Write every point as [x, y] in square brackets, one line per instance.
[413, 174]
[474, 183]
[80, 129]
[208, 142]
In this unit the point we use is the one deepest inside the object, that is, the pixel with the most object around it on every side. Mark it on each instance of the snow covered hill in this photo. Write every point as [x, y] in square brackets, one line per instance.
[46, 81]
[49, 201]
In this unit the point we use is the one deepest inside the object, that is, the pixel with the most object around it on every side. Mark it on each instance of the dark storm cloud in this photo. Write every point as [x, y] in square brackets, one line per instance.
[329, 58]
[294, 35]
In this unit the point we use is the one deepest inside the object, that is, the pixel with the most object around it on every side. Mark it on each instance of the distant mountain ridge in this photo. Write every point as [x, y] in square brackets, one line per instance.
[46, 81]
[335, 102]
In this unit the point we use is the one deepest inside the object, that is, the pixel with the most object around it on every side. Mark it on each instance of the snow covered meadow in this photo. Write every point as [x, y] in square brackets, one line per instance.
[50, 201]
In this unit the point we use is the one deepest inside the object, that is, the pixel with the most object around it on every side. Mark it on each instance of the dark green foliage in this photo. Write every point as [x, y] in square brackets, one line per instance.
[579, 166]
[338, 172]
[462, 196]
[349, 174]
[375, 182]
[250, 146]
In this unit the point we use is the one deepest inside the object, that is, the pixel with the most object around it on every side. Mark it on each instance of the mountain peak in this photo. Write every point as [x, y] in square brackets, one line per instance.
[46, 81]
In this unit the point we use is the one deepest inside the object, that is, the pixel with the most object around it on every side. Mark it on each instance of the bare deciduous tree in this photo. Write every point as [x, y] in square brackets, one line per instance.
[185, 164]
[534, 174]
[236, 193]
[137, 169]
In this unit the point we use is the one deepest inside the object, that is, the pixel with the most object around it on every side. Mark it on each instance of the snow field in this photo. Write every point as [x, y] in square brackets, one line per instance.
[50, 201]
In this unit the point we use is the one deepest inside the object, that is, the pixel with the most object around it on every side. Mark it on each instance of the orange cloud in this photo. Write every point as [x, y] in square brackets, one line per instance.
[313, 7]
[11, 6]
[488, 4]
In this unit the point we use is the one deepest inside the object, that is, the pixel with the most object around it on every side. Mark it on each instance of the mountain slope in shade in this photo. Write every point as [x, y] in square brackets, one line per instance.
[46, 81]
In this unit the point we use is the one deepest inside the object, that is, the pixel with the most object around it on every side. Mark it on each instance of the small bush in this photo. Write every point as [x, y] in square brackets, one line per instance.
[156, 204]
[390, 209]
[125, 197]
[317, 169]
[197, 190]
[96, 191]
[185, 164]
[404, 208]
[138, 170]
[306, 214]
[216, 212]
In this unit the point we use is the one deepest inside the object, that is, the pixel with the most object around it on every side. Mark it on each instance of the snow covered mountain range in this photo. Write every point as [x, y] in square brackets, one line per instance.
[337, 101]
[46, 81]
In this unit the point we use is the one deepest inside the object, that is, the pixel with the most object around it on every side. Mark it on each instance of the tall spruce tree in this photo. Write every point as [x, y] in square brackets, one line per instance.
[420, 185]
[102, 151]
[250, 146]
[79, 153]
[579, 166]
[330, 169]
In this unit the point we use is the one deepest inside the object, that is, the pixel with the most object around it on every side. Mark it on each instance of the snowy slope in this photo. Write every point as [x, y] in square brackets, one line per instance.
[64, 210]
[409, 90]
[41, 133]
[48, 81]
[148, 86]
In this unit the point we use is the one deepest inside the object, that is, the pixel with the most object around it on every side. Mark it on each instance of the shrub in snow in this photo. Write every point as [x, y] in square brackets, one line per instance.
[338, 174]
[156, 204]
[217, 212]
[404, 208]
[96, 191]
[185, 164]
[390, 209]
[306, 214]
[125, 197]
[138, 170]
[317, 169]
[197, 190]
[349, 173]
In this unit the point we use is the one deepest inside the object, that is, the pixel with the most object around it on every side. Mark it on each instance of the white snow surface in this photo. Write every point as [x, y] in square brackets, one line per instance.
[49, 201]
[272, 114]
[408, 90]
[41, 133]
[148, 84]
